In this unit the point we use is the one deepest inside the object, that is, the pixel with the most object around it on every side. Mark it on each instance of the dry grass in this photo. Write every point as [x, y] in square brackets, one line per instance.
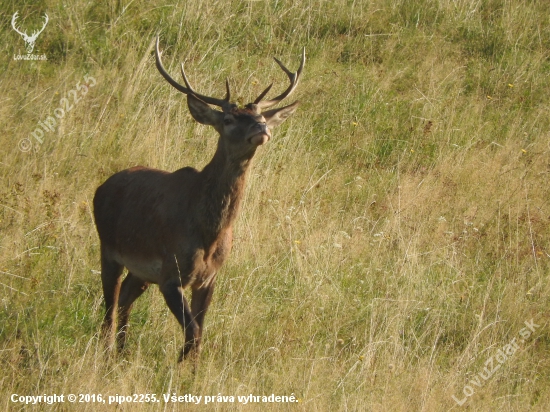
[395, 232]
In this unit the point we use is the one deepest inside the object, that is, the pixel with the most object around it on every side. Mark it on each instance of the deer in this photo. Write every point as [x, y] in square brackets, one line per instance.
[29, 40]
[174, 229]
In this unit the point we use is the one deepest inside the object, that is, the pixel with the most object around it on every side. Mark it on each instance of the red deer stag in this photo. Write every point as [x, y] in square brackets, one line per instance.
[175, 229]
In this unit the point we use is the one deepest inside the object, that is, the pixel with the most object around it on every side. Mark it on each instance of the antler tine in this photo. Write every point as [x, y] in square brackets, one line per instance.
[293, 77]
[223, 103]
[228, 91]
[165, 74]
[262, 94]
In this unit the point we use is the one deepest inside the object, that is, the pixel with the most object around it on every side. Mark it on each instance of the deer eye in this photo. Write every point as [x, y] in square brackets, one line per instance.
[228, 121]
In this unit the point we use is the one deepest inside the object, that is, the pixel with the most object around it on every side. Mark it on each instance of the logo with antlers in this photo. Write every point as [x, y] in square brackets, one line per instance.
[29, 40]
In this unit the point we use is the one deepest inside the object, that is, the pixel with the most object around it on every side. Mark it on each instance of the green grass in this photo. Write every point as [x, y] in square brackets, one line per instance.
[395, 232]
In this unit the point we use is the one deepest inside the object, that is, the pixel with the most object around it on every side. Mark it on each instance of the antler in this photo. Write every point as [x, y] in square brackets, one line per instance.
[37, 32]
[293, 77]
[13, 20]
[223, 103]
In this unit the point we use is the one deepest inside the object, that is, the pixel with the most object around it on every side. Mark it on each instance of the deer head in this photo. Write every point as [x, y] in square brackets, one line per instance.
[29, 40]
[241, 130]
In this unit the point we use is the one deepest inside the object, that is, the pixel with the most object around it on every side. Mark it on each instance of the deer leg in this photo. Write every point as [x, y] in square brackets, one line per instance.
[111, 273]
[131, 289]
[173, 294]
[200, 300]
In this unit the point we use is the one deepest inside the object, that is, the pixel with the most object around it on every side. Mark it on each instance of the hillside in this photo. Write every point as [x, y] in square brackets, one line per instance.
[395, 233]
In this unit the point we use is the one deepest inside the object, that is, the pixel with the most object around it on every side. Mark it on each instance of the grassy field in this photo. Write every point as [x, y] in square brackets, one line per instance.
[395, 234]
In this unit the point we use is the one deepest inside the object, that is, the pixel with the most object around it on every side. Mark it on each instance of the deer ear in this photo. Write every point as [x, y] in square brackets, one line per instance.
[275, 117]
[202, 113]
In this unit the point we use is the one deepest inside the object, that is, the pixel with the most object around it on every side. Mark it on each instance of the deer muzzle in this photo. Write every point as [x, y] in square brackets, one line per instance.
[262, 135]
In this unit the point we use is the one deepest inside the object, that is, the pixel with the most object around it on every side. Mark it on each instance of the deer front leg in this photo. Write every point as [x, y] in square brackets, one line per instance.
[200, 300]
[173, 295]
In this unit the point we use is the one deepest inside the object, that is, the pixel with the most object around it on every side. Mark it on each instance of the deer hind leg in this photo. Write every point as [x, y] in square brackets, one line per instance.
[200, 300]
[131, 289]
[173, 295]
[111, 273]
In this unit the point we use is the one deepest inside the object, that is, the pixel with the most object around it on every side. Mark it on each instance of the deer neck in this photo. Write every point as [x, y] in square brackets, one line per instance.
[224, 181]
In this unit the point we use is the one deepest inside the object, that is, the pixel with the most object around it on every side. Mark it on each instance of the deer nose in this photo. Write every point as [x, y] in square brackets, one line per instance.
[262, 128]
